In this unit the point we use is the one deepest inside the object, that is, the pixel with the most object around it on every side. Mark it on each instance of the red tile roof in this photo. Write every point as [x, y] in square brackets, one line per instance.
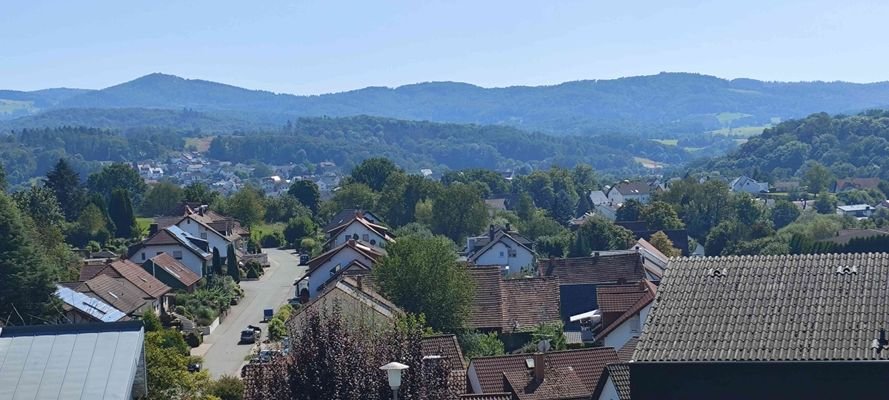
[586, 363]
[139, 277]
[511, 304]
[175, 269]
[594, 269]
[558, 384]
[117, 292]
[643, 301]
[618, 298]
[487, 396]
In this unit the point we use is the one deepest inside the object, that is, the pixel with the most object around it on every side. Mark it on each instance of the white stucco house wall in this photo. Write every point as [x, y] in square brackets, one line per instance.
[360, 229]
[198, 229]
[626, 329]
[747, 184]
[504, 251]
[334, 262]
[189, 250]
[623, 191]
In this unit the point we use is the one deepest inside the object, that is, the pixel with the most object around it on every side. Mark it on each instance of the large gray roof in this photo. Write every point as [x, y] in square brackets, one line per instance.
[89, 361]
[769, 308]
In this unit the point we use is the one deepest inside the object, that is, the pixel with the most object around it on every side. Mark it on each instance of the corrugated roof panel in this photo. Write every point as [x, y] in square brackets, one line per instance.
[100, 368]
[56, 367]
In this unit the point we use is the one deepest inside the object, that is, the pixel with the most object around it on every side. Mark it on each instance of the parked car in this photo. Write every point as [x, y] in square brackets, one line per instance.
[194, 367]
[303, 259]
[250, 335]
[267, 314]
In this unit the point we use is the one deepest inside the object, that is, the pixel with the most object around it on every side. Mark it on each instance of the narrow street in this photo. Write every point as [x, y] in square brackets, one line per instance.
[223, 355]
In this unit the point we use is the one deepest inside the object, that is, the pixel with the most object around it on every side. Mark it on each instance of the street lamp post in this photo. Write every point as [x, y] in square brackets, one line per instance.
[393, 373]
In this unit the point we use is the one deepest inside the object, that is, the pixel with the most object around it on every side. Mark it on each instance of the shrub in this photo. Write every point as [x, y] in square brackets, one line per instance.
[477, 344]
[252, 274]
[151, 321]
[193, 339]
[284, 312]
[227, 387]
[275, 239]
[277, 329]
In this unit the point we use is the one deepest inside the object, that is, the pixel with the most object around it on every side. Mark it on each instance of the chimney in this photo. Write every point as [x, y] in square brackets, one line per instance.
[539, 367]
[595, 254]
[358, 279]
[152, 229]
[508, 227]
[491, 232]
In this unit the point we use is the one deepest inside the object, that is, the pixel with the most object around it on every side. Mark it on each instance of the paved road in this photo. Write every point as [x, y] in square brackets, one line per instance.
[225, 356]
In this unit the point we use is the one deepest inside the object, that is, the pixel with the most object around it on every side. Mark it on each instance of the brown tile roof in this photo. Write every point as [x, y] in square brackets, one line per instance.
[769, 308]
[625, 354]
[117, 292]
[601, 269]
[90, 269]
[634, 188]
[139, 277]
[487, 301]
[175, 269]
[487, 396]
[162, 237]
[529, 302]
[646, 299]
[445, 346]
[558, 384]
[618, 298]
[620, 377]
[587, 364]
[511, 304]
[457, 383]
[856, 183]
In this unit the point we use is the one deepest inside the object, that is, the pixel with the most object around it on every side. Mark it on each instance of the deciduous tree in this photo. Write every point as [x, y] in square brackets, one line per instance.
[162, 198]
[458, 211]
[422, 275]
[597, 233]
[663, 243]
[373, 172]
[307, 193]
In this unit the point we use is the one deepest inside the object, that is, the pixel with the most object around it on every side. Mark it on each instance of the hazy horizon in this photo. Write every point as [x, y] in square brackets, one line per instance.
[306, 49]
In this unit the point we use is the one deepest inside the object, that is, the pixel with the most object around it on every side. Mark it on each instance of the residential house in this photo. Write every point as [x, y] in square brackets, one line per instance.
[347, 215]
[626, 323]
[122, 295]
[766, 327]
[842, 185]
[171, 272]
[640, 230]
[199, 225]
[133, 273]
[614, 383]
[80, 308]
[598, 198]
[637, 190]
[356, 299]
[359, 228]
[191, 251]
[570, 374]
[446, 348]
[348, 258]
[580, 277]
[495, 205]
[859, 211]
[503, 247]
[511, 305]
[92, 361]
[746, 184]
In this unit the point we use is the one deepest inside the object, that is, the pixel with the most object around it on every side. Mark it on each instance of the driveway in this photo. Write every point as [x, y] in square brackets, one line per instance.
[224, 356]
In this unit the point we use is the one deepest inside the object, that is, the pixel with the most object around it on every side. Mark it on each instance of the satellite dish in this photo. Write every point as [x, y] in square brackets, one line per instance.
[543, 346]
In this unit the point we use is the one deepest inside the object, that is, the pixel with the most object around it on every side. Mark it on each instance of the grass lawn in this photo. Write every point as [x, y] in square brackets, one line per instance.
[667, 142]
[743, 131]
[648, 163]
[201, 144]
[727, 117]
[143, 223]
[258, 231]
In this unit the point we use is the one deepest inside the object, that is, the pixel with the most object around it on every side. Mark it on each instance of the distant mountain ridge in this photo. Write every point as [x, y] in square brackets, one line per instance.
[652, 106]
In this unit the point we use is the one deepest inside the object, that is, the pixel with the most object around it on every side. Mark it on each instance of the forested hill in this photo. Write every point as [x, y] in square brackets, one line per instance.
[418, 144]
[850, 146]
[653, 106]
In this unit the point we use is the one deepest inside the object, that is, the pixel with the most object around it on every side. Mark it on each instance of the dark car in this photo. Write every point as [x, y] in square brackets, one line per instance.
[303, 259]
[249, 336]
[194, 367]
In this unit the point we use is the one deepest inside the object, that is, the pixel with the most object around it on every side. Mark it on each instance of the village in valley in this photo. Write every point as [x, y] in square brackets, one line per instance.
[488, 294]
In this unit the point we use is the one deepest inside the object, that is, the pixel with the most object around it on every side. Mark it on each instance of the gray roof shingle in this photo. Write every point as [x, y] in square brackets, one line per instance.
[769, 308]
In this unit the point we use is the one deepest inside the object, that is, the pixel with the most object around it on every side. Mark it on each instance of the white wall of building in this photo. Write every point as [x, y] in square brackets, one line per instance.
[322, 274]
[499, 254]
[189, 259]
[365, 235]
[200, 231]
[626, 330]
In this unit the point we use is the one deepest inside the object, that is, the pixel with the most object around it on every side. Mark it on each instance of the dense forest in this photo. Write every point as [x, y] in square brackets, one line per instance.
[417, 144]
[32, 152]
[657, 106]
[850, 146]
[183, 120]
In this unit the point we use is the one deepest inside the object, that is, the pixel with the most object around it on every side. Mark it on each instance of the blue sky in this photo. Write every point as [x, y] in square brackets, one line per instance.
[329, 46]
